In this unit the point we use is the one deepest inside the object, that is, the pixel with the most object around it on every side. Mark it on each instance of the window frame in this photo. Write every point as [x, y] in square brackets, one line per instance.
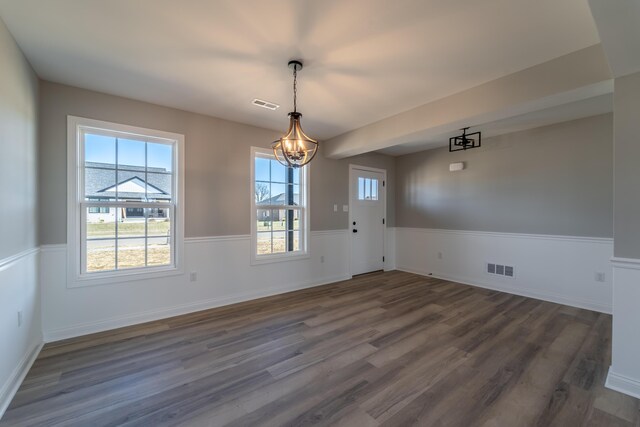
[303, 208]
[77, 206]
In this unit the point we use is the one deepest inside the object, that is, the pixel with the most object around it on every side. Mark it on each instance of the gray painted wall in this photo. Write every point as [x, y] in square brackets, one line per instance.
[550, 180]
[19, 288]
[18, 154]
[626, 109]
[217, 163]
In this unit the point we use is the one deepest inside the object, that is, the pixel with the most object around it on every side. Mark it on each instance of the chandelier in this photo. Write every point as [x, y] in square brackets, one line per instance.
[295, 149]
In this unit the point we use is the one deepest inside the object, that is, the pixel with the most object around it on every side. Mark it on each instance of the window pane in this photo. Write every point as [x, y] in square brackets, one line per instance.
[158, 251]
[296, 195]
[99, 184]
[131, 153]
[279, 242]
[130, 186]
[360, 188]
[100, 150]
[279, 218]
[278, 196]
[158, 186]
[374, 189]
[296, 176]
[296, 240]
[262, 192]
[263, 219]
[101, 225]
[295, 214]
[159, 157]
[278, 172]
[131, 253]
[158, 222]
[132, 224]
[264, 243]
[262, 171]
[101, 255]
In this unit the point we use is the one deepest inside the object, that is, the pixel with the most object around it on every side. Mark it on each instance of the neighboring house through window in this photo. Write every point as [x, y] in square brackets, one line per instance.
[125, 199]
[279, 208]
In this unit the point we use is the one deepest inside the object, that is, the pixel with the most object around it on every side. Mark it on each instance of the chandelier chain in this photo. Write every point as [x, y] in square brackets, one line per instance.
[295, 90]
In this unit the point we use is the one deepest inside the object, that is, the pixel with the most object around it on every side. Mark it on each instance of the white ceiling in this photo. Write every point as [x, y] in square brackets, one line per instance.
[364, 59]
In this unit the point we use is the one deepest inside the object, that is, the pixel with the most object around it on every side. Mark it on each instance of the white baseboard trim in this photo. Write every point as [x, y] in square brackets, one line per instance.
[11, 386]
[545, 296]
[623, 384]
[149, 316]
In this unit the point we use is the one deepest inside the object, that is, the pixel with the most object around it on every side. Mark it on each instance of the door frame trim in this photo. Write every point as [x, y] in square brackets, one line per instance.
[352, 167]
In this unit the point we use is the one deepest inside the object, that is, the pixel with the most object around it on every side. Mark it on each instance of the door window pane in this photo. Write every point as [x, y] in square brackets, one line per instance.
[367, 188]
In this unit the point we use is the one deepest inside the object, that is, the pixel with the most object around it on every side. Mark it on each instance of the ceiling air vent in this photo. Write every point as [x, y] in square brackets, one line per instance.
[264, 104]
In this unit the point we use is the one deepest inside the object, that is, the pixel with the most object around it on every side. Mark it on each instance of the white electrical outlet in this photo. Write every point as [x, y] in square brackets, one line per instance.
[345, 208]
[599, 276]
[439, 255]
[335, 208]
[322, 258]
[193, 276]
[19, 318]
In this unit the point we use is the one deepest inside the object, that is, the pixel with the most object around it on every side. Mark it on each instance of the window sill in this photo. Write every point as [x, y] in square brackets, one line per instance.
[133, 275]
[269, 259]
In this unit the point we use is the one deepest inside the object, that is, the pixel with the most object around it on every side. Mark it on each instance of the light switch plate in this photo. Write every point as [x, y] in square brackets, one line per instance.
[345, 208]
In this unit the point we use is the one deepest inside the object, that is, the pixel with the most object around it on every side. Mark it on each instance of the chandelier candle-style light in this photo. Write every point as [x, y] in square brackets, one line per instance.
[295, 149]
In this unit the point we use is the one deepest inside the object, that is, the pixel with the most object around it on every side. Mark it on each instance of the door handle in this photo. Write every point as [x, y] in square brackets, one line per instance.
[355, 231]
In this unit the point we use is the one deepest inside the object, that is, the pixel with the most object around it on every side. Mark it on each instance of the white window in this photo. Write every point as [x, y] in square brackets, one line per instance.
[279, 199]
[125, 201]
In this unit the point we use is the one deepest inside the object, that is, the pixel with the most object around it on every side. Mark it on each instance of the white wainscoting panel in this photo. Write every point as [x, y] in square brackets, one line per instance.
[624, 373]
[560, 269]
[390, 249]
[20, 344]
[224, 276]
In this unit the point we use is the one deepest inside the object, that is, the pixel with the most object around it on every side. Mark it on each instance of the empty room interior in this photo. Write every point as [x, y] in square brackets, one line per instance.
[342, 212]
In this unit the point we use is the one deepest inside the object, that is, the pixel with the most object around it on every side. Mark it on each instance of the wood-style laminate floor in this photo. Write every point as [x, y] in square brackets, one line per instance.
[388, 349]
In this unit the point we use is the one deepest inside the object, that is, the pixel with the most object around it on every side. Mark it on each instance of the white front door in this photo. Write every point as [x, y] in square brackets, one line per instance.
[366, 220]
